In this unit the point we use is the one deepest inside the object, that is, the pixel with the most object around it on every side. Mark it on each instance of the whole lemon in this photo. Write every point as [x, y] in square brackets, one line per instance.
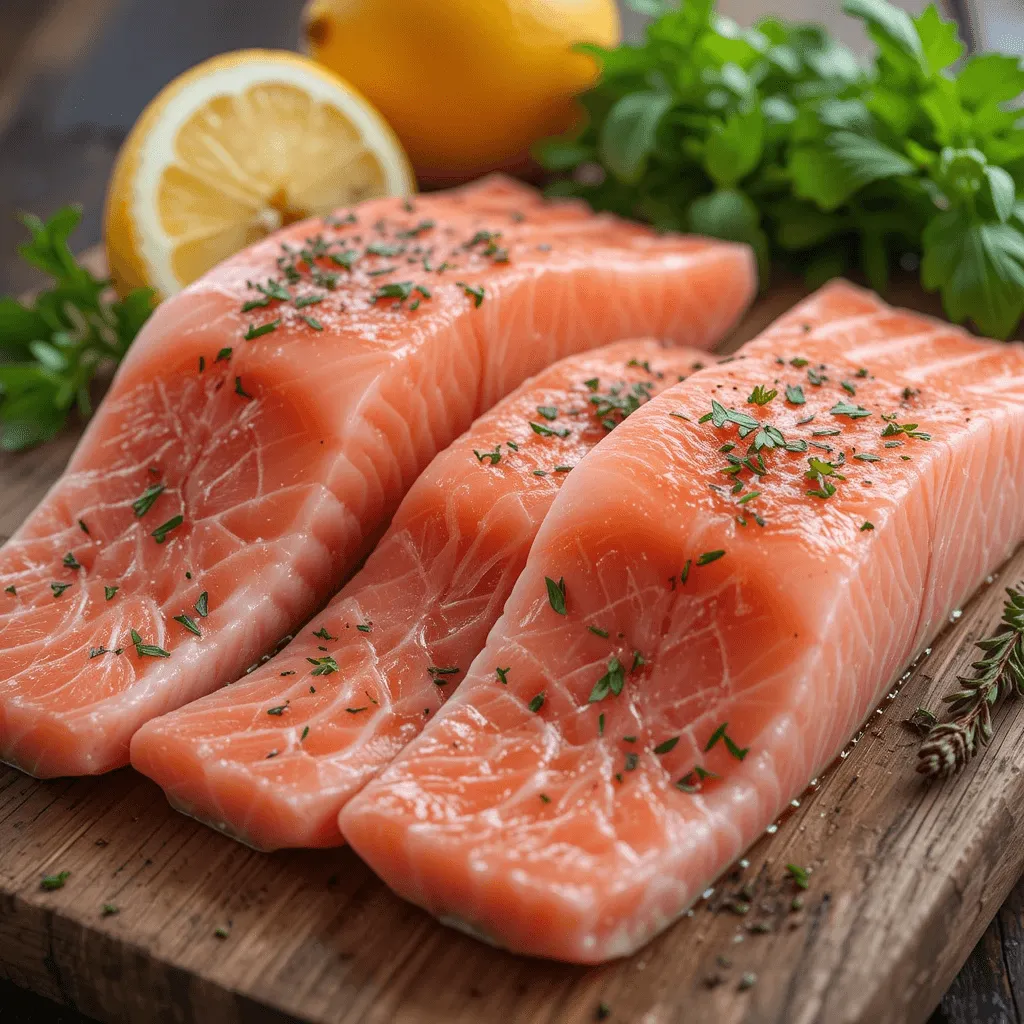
[467, 85]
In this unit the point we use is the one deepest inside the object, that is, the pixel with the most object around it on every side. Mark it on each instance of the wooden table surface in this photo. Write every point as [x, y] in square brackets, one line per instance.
[74, 74]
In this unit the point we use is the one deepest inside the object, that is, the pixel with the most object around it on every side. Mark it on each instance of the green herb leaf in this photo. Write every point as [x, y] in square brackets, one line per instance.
[189, 623]
[160, 533]
[53, 882]
[257, 332]
[629, 133]
[475, 292]
[556, 594]
[142, 505]
[144, 650]
[52, 347]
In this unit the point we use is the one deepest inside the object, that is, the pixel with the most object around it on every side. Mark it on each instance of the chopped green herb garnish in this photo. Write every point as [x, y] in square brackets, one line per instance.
[355, 711]
[346, 259]
[400, 290]
[59, 588]
[709, 556]
[11, 589]
[502, 674]
[70, 561]
[258, 332]
[438, 674]
[868, 457]
[537, 703]
[322, 634]
[549, 412]
[384, 249]
[109, 592]
[795, 394]
[160, 533]
[611, 682]
[476, 292]
[202, 605]
[142, 505]
[666, 745]
[632, 760]
[189, 623]
[493, 457]
[866, 525]
[223, 355]
[801, 876]
[110, 909]
[600, 724]
[638, 662]
[761, 395]
[418, 229]
[53, 882]
[363, 627]
[539, 428]
[854, 412]
[597, 631]
[278, 711]
[314, 323]
[239, 390]
[144, 650]
[323, 666]
[909, 429]
[556, 594]
[721, 734]
[308, 300]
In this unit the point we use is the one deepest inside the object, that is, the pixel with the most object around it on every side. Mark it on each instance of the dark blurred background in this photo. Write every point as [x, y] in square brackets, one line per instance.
[75, 74]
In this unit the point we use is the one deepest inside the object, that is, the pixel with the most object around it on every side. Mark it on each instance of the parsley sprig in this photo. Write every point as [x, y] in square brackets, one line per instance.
[776, 136]
[53, 346]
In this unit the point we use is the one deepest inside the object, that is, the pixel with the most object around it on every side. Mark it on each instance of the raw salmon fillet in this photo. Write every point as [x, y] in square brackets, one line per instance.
[762, 572]
[273, 759]
[269, 419]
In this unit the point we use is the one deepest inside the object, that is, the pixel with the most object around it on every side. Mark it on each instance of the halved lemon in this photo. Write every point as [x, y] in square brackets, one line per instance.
[233, 149]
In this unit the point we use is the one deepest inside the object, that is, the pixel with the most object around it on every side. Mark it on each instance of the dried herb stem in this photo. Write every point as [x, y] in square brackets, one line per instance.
[948, 747]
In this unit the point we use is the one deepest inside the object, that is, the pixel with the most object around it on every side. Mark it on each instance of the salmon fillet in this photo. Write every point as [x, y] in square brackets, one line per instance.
[762, 572]
[269, 419]
[273, 759]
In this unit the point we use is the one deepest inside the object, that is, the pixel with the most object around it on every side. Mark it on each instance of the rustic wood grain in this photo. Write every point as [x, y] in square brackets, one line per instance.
[905, 878]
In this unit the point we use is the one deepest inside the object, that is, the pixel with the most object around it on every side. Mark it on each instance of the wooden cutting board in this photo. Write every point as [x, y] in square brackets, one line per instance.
[905, 877]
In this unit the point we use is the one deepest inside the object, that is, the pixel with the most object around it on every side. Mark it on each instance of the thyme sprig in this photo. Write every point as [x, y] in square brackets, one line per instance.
[949, 746]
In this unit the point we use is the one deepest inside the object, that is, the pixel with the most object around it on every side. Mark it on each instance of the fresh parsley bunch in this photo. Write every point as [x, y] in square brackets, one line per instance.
[51, 348]
[776, 136]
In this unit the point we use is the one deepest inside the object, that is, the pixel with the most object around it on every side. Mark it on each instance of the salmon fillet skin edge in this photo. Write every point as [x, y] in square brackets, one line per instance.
[269, 419]
[272, 759]
[765, 546]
